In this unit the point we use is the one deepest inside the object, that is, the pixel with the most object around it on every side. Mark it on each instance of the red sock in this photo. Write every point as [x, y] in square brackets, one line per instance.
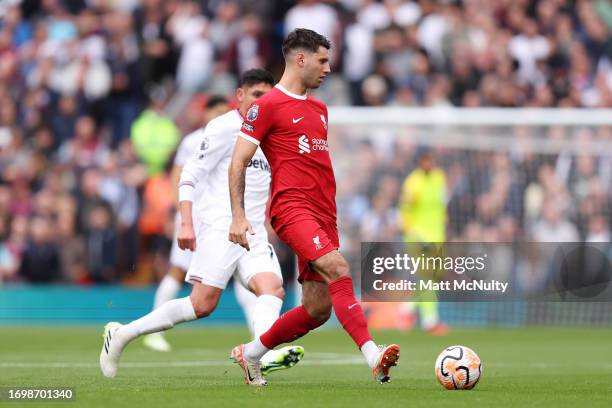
[290, 326]
[348, 310]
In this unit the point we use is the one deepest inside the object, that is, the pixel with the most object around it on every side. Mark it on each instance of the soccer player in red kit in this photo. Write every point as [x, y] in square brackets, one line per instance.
[291, 129]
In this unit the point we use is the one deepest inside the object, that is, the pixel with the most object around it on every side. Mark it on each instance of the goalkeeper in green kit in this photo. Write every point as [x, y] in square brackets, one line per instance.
[423, 215]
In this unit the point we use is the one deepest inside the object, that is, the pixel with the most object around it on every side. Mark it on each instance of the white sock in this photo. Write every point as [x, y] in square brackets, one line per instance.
[255, 350]
[267, 309]
[167, 290]
[247, 300]
[370, 352]
[162, 318]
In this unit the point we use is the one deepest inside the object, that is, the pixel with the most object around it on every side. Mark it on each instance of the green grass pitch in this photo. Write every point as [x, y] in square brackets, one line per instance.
[532, 367]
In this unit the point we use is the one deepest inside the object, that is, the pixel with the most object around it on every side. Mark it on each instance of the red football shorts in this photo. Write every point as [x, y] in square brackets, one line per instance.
[310, 239]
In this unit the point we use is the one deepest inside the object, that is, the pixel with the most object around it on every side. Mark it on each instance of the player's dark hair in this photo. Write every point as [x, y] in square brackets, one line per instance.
[302, 38]
[256, 76]
[215, 100]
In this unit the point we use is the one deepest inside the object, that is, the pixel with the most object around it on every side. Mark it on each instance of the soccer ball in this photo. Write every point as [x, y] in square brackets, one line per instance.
[458, 368]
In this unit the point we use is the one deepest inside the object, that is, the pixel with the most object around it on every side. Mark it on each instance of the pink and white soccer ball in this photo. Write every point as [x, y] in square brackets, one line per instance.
[458, 368]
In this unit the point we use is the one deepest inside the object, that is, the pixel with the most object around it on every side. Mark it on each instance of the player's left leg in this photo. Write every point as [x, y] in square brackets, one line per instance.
[201, 303]
[335, 271]
[213, 264]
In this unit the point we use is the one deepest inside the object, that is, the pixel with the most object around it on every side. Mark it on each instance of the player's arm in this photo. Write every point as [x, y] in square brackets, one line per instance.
[212, 148]
[175, 176]
[186, 191]
[244, 150]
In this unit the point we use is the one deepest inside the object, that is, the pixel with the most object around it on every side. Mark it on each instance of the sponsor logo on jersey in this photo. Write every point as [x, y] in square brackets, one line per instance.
[259, 164]
[252, 113]
[319, 144]
[297, 120]
[317, 242]
[248, 127]
[324, 121]
[303, 146]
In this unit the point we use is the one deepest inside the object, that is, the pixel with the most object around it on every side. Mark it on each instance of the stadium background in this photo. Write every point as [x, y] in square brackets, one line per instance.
[95, 96]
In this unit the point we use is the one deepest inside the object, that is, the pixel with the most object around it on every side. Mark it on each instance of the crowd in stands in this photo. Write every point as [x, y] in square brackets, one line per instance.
[95, 96]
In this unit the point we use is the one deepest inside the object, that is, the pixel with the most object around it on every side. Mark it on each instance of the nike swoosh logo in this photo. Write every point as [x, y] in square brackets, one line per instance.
[249, 374]
[353, 305]
[297, 120]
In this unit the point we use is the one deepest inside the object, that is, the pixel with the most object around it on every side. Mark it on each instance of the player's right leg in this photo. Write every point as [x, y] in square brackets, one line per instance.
[167, 290]
[199, 304]
[247, 301]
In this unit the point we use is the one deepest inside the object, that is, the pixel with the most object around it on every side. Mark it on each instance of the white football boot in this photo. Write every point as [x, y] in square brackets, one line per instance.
[111, 350]
[252, 370]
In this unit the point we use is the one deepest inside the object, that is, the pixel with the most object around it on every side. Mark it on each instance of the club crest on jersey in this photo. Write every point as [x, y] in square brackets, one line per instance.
[324, 121]
[203, 147]
[252, 113]
[317, 242]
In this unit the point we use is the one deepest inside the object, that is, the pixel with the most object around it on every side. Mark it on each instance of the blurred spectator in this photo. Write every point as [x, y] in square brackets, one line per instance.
[528, 48]
[84, 149]
[554, 226]
[102, 241]
[250, 48]
[317, 16]
[158, 57]
[189, 30]
[41, 259]
[598, 230]
[9, 259]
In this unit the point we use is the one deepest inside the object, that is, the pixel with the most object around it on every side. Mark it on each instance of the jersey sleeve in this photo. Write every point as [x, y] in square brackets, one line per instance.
[257, 122]
[212, 147]
[185, 150]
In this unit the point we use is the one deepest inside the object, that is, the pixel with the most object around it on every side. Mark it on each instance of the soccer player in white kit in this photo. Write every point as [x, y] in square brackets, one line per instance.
[216, 259]
[180, 259]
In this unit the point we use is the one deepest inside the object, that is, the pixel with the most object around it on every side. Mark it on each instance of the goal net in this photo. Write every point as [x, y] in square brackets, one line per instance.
[513, 175]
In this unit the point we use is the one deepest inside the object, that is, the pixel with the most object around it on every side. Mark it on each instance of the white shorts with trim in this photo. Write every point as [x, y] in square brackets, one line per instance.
[216, 259]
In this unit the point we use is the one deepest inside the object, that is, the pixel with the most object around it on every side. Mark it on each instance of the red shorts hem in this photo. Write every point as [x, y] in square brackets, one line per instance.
[308, 273]
[309, 239]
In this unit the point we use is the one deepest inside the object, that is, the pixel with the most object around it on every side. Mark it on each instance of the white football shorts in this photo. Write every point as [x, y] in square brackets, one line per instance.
[216, 259]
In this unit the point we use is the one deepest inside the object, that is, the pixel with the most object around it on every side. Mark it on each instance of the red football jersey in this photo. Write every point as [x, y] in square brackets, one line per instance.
[292, 132]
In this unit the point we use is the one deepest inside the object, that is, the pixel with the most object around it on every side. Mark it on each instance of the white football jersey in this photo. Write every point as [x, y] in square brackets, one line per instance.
[209, 166]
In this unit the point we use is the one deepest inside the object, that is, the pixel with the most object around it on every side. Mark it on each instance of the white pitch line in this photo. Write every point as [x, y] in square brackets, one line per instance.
[310, 362]
[167, 364]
